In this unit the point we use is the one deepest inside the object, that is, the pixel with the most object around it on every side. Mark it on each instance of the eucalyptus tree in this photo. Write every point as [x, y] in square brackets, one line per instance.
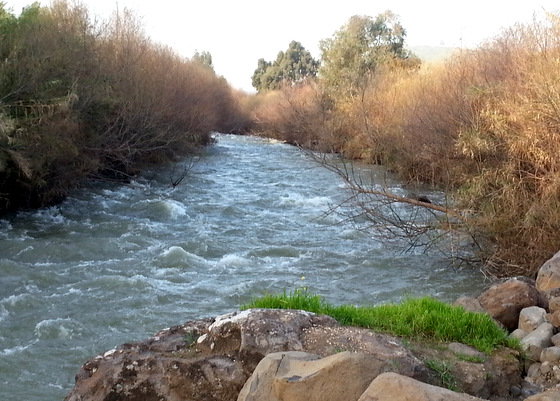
[204, 58]
[293, 66]
[360, 48]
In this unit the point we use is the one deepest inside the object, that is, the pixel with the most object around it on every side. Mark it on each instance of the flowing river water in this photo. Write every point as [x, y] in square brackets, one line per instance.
[116, 263]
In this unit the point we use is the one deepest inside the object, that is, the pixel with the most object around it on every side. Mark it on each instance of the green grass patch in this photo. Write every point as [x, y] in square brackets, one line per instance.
[423, 318]
[444, 372]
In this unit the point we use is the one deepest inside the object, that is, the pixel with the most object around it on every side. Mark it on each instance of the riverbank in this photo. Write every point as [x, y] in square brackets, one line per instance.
[482, 126]
[213, 359]
[87, 100]
[270, 353]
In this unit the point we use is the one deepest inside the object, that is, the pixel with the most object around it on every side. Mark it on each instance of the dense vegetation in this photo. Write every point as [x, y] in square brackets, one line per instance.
[418, 318]
[82, 99]
[484, 126]
[294, 65]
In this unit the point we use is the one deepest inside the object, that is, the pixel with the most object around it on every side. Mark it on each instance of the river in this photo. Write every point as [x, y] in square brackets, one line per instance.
[116, 263]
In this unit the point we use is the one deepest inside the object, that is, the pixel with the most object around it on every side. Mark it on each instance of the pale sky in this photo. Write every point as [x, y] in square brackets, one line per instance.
[239, 32]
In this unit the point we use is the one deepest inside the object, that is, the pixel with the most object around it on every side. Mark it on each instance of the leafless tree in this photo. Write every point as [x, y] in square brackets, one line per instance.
[422, 222]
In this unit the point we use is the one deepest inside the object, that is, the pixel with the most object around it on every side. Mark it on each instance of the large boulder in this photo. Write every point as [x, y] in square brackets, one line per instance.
[395, 387]
[505, 301]
[165, 367]
[211, 359]
[298, 376]
[257, 332]
[548, 276]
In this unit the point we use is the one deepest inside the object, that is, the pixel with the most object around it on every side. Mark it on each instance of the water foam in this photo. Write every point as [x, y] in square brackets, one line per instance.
[161, 209]
[234, 260]
[54, 328]
[14, 350]
[177, 256]
[297, 199]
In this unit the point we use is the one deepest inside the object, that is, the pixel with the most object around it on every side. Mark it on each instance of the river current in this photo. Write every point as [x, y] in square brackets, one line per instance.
[117, 263]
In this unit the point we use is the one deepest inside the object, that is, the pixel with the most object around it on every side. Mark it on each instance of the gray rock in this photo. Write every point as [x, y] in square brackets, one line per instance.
[536, 341]
[326, 340]
[462, 349]
[260, 331]
[532, 317]
[534, 370]
[518, 333]
[556, 339]
[211, 359]
[550, 354]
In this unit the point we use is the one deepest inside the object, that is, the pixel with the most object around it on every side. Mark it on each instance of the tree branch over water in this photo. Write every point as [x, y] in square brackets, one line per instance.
[420, 221]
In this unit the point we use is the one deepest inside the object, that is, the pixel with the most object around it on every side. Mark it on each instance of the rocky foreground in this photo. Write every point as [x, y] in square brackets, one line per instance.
[286, 355]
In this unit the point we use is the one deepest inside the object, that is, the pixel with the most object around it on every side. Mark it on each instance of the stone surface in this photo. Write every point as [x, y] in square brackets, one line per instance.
[518, 333]
[328, 340]
[462, 349]
[536, 341]
[470, 304]
[288, 376]
[548, 276]
[550, 354]
[556, 339]
[554, 304]
[211, 359]
[532, 317]
[553, 318]
[395, 387]
[551, 395]
[165, 366]
[505, 301]
[260, 331]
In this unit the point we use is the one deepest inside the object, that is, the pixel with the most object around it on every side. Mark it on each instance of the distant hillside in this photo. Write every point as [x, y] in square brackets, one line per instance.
[432, 53]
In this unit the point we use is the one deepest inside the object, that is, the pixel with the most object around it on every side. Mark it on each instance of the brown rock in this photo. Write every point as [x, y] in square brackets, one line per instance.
[470, 304]
[551, 395]
[554, 318]
[548, 276]
[394, 387]
[212, 359]
[504, 301]
[554, 304]
[260, 331]
[328, 340]
[165, 366]
[298, 376]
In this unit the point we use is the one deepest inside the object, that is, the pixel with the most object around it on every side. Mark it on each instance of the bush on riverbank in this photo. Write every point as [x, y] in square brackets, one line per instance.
[88, 99]
[483, 126]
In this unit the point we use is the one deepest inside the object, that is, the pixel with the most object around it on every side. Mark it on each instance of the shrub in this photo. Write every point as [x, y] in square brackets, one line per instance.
[84, 99]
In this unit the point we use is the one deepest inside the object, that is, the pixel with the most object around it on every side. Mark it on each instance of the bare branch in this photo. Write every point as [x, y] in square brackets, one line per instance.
[421, 221]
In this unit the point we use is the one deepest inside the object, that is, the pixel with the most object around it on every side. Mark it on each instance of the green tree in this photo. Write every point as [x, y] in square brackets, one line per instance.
[204, 58]
[292, 66]
[359, 48]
